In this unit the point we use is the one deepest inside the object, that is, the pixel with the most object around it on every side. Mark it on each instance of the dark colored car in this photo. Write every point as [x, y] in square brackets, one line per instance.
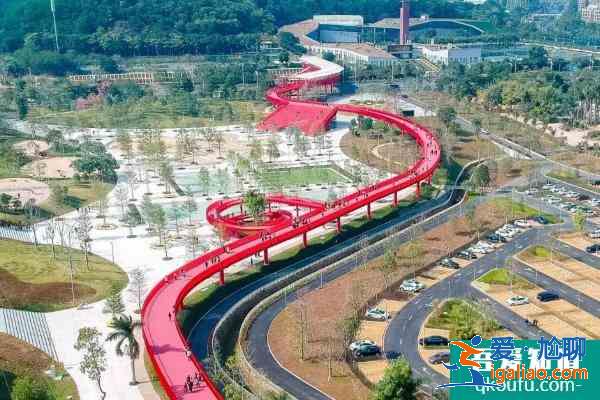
[495, 238]
[541, 219]
[392, 355]
[467, 255]
[546, 296]
[438, 358]
[595, 248]
[367, 351]
[449, 263]
[433, 341]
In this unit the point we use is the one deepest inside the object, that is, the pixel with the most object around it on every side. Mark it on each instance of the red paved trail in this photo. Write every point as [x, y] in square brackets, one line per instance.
[165, 344]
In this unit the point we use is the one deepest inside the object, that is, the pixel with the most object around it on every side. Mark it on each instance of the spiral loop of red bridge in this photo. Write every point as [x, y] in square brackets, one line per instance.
[165, 343]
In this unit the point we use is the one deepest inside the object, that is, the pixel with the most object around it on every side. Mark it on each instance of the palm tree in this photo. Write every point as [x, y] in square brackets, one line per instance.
[127, 344]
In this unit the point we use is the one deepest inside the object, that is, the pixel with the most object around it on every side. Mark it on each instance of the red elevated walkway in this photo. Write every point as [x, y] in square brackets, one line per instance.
[164, 341]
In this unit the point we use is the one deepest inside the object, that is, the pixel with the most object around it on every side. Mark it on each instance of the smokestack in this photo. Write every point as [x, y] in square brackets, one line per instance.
[404, 21]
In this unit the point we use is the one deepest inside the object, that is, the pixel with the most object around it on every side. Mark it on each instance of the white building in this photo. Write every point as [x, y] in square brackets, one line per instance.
[443, 55]
[356, 53]
[591, 13]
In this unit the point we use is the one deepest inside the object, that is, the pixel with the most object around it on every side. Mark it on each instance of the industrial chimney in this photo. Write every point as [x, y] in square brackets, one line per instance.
[404, 21]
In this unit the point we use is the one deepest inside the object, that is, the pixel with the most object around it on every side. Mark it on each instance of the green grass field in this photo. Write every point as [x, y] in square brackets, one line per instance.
[463, 319]
[301, 176]
[31, 279]
[502, 276]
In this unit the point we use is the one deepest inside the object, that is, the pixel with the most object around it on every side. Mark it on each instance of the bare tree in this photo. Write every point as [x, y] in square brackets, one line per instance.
[131, 182]
[83, 229]
[50, 234]
[122, 194]
[137, 287]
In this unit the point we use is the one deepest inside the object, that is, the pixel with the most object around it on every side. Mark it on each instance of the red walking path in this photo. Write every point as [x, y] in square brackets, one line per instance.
[164, 340]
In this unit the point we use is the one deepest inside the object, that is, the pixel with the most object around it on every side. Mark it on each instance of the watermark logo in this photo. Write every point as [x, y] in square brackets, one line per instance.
[548, 368]
[464, 361]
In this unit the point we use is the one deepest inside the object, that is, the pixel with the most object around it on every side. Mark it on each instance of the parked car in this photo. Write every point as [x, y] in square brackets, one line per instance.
[518, 300]
[412, 286]
[594, 234]
[438, 358]
[496, 238]
[593, 249]
[449, 263]
[522, 223]
[547, 296]
[356, 345]
[434, 341]
[377, 314]
[366, 351]
[466, 255]
[541, 220]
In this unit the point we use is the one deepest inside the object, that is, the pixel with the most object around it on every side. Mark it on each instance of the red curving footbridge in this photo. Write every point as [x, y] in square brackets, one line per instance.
[165, 343]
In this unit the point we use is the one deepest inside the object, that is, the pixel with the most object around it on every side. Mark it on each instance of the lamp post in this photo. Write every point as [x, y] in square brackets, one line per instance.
[53, 9]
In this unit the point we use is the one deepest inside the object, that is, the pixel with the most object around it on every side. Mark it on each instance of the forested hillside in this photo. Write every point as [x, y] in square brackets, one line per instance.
[171, 27]
[134, 27]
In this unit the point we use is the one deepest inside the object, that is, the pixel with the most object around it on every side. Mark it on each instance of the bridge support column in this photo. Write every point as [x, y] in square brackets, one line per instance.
[338, 225]
[369, 211]
[221, 277]
[266, 256]
[395, 199]
[418, 190]
[305, 239]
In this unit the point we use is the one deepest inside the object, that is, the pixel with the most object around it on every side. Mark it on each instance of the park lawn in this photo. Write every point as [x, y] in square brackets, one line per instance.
[18, 358]
[32, 280]
[502, 276]
[463, 319]
[79, 194]
[541, 253]
[300, 176]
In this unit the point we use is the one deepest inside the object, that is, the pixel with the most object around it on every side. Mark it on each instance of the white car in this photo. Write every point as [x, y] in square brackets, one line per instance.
[412, 286]
[377, 314]
[359, 343]
[548, 186]
[479, 250]
[594, 234]
[521, 223]
[517, 300]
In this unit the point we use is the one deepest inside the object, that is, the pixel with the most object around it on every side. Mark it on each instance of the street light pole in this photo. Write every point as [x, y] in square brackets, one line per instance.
[53, 9]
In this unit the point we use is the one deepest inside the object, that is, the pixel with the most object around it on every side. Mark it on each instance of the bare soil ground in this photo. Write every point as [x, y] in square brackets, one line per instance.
[395, 157]
[25, 189]
[328, 307]
[19, 294]
[32, 148]
[576, 239]
[54, 167]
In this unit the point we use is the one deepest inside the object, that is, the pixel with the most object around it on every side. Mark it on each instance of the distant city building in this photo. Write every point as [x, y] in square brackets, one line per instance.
[591, 13]
[355, 53]
[515, 4]
[445, 54]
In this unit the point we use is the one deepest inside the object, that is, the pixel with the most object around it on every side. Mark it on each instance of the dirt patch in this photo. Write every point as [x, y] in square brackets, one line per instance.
[25, 189]
[32, 148]
[24, 295]
[55, 167]
[577, 240]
